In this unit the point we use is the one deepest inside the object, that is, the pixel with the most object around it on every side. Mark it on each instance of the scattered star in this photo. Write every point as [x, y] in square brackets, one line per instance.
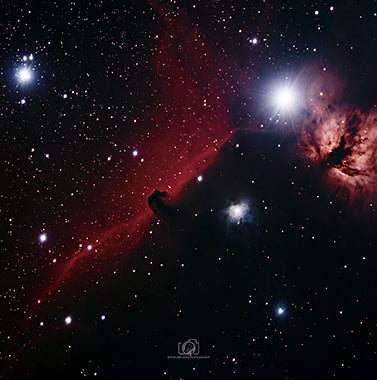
[42, 237]
[170, 164]
[68, 320]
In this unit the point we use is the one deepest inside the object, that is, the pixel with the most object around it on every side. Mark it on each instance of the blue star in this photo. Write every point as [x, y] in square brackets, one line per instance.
[24, 75]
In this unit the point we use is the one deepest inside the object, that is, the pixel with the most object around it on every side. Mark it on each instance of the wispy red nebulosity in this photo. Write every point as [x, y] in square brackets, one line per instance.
[342, 138]
[183, 134]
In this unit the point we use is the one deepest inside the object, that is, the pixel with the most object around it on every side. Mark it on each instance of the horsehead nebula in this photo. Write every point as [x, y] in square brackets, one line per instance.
[180, 137]
[174, 173]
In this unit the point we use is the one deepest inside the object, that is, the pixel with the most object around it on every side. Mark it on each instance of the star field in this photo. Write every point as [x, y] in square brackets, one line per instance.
[198, 174]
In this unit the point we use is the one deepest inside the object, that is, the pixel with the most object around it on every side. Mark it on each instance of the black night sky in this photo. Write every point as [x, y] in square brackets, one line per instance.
[188, 189]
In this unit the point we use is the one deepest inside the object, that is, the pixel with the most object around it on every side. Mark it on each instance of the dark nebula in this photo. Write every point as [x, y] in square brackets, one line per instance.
[343, 138]
[157, 202]
[203, 275]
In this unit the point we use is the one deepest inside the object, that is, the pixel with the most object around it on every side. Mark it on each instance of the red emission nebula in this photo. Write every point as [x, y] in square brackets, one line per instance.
[181, 139]
[183, 135]
[191, 121]
[341, 138]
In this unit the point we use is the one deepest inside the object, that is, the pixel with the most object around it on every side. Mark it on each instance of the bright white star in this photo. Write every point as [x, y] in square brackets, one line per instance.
[42, 238]
[24, 75]
[285, 98]
[280, 311]
[199, 178]
[135, 153]
[68, 320]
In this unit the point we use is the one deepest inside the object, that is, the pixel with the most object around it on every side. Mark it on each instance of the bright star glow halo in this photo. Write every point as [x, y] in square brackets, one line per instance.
[238, 211]
[24, 75]
[280, 310]
[285, 98]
